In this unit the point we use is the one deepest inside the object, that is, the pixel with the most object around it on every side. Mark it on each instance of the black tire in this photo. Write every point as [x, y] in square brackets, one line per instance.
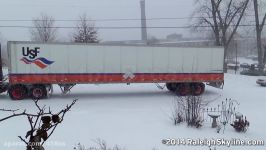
[197, 88]
[38, 92]
[3, 87]
[18, 92]
[183, 89]
[171, 86]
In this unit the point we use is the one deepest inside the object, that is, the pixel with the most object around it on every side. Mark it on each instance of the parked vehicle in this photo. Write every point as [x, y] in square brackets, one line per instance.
[36, 67]
[254, 66]
[233, 66]
[232, 61]
[245, 65]
[261, 82]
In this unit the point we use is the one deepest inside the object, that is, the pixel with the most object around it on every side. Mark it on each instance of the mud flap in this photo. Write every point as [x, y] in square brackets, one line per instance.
[219, 84]
[49, 90]
[3, 87]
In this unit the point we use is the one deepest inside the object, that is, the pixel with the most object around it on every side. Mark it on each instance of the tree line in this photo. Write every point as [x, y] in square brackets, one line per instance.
[224, 18]
[44, 30]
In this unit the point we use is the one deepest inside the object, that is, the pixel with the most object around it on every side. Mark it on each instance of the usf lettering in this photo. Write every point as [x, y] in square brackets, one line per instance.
[31, 57]
[32, 53]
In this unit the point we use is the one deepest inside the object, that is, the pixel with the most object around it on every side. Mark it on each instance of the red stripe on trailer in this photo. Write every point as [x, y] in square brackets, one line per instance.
[40, 64]
[113, 78]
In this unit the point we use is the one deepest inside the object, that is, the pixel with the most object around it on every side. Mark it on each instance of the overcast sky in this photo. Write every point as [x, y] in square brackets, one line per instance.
[96, 9]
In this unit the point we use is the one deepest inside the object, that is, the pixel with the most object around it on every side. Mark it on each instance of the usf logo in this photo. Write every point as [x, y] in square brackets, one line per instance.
[31, 57]
[31, 53]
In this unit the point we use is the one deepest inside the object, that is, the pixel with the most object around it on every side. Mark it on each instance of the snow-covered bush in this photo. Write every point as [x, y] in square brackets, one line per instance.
[187, 109]
[240, 124]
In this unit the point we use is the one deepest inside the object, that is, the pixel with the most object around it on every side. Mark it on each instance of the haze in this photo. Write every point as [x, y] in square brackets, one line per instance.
[95, 9]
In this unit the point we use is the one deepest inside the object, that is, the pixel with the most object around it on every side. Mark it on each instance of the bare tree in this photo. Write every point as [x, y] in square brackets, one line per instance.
[42, 124]
[223, 17]
[259, 28]
[43, 29]
[85, 31]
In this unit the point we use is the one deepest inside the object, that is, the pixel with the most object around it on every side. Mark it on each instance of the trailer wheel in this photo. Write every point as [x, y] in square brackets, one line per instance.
[183, 89]
[171, 86]
[197, 88]
[38, 92]
[17, 92]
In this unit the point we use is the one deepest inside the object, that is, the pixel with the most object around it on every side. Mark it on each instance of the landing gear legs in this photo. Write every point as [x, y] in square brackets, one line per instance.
[65, 88]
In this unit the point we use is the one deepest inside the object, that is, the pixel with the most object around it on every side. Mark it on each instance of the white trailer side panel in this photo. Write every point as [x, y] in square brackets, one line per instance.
[63, 58]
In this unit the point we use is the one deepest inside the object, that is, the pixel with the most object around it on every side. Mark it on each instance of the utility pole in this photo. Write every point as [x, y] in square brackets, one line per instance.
[236, 67]
[143, 22]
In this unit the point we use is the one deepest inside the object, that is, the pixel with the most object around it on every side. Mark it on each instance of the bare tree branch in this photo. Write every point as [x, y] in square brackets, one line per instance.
[226, 16]
[36, 136]
[233, 16]
[263, 22]
[208, 22]
[23, 140]
[43, 31]
[259, 28]
[238, 21]
[216, 28]
[63, 112]
[228, 10]
[22, 114]
[10, 110]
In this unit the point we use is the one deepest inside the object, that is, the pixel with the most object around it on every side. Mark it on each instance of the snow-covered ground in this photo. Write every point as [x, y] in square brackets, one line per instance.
[136, 117]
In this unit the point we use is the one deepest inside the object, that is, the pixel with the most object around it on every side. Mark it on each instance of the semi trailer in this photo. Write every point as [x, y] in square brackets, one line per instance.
[34, 67]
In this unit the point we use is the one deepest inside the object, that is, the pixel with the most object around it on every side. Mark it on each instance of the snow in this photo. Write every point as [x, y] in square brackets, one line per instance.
[137, 116]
